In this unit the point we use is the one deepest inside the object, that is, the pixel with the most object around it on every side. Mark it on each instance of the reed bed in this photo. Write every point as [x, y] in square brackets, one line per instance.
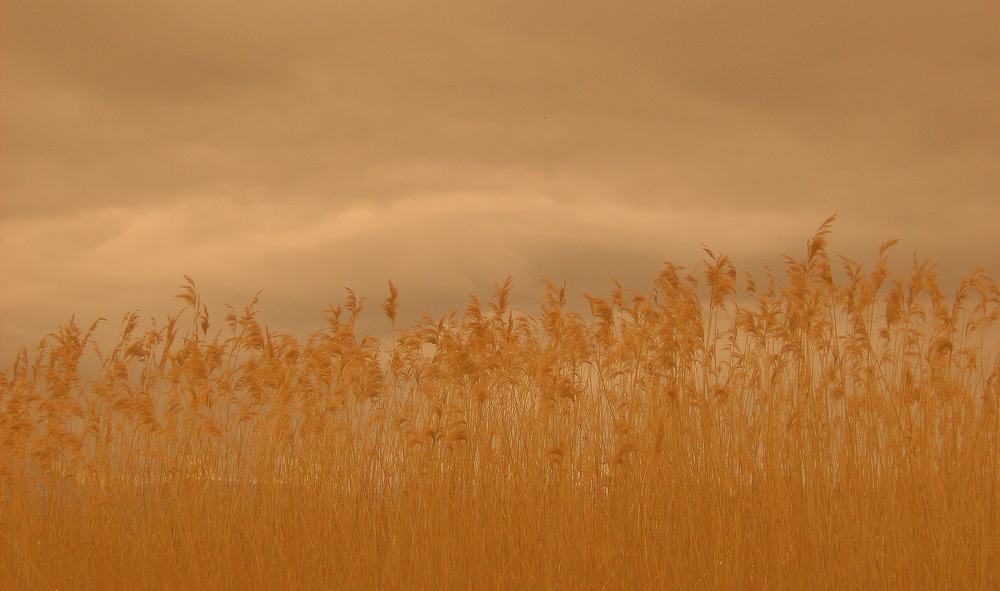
[713, 432]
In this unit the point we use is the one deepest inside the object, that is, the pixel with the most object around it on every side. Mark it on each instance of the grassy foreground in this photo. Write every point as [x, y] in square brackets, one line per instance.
[713, 433]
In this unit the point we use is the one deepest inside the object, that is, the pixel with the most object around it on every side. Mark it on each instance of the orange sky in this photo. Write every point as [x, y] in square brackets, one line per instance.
[298, 147]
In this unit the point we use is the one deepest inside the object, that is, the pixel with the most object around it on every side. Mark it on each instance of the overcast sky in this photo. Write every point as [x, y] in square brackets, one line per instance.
[300, 147]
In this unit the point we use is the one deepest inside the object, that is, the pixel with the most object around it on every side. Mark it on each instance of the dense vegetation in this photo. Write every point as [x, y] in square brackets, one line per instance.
[715, 432]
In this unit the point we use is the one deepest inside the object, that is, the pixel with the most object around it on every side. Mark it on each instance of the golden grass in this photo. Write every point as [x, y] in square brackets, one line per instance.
[703, 435]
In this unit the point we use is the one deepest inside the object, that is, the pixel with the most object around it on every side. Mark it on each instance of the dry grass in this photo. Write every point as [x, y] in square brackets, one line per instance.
[709, 434]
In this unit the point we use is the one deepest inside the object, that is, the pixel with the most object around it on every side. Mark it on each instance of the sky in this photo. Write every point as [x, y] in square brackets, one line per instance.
[301, 147]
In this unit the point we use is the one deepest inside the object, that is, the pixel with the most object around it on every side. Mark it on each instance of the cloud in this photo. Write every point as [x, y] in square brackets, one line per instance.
[301, 147]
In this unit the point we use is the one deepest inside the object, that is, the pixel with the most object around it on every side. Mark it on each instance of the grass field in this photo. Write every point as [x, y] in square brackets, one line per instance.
[834, 428]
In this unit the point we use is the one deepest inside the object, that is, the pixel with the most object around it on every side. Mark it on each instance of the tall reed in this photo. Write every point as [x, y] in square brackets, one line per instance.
[710, 432]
